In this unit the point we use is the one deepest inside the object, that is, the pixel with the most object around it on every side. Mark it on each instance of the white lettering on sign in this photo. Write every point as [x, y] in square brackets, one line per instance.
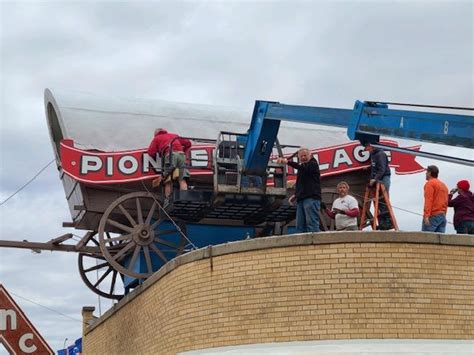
[360, 154]
[147, 160]
[341, 157]
[5, 315]
[90, 163]
[199, 157]
[132, 164]
[28, 349]
[321, 166]
[110, 166]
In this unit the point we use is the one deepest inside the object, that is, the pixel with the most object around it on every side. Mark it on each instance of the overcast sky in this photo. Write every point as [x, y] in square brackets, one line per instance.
[316, 53]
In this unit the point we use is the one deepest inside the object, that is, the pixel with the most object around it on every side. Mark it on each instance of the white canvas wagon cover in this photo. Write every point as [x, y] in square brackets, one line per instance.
[115, 124]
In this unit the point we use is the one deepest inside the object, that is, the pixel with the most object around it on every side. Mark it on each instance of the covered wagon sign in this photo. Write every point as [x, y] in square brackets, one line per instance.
[17, 334]
[91, 166]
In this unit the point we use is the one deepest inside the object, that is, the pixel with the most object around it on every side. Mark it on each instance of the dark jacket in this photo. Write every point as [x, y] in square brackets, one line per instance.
[379, 164]
[463, 207]
[161, 143]
[308, 180]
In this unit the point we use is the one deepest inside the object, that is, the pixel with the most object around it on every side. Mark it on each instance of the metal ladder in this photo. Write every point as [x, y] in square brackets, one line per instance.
[372, 194]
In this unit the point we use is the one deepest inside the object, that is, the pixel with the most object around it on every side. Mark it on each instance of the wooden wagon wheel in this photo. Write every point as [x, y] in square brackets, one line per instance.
[136, 216]
[98, 274]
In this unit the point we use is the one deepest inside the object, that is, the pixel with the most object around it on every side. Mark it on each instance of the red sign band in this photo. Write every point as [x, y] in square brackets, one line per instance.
[125, 166]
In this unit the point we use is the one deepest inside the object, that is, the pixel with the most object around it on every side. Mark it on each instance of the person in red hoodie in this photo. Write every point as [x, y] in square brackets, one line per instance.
[163, 143]
[463, 205]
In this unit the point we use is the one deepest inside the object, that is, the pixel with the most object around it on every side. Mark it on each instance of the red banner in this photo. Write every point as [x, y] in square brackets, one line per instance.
[125, 166]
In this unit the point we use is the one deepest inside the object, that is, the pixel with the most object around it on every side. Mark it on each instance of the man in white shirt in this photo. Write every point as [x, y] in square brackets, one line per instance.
[345, 209]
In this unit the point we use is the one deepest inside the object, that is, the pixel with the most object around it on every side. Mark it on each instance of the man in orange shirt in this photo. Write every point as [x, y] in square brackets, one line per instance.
[436, 202]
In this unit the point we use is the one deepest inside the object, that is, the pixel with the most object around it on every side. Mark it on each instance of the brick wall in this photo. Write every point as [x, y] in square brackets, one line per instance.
[294, 288]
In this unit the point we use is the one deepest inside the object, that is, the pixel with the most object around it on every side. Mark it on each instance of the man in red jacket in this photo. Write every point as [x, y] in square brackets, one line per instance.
[163, 143]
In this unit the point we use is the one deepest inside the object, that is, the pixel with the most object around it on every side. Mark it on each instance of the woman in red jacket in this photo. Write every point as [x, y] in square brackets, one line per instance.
[463, 205]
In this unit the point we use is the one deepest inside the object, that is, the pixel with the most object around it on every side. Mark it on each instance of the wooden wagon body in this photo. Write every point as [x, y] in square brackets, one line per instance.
[104, 124]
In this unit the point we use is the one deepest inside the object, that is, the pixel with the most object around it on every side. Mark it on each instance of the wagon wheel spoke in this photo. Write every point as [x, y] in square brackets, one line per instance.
[166, 231]
[136, 252]
[102, 278]
[129, 217]
[138, 229]
[120, 225]
[150, 214]
[114, 279]
[107, 234]
[94, 255]
[93, 240]
[158, 252]
[108, 240]
[90, 262]
[168, 244]
[149, 266]
[94, 285]
[139, 211]
[96, 267]
[125, 249]
[111, 240]
[156, 224]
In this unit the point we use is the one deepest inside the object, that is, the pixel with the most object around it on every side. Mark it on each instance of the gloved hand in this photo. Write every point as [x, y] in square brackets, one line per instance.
[338, 211]
[372, 182]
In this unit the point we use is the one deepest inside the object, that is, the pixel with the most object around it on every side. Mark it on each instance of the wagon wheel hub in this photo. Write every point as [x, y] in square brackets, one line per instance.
[143, 234]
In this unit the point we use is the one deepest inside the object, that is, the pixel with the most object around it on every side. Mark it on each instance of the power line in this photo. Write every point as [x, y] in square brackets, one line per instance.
[26, 184]
[50, 309]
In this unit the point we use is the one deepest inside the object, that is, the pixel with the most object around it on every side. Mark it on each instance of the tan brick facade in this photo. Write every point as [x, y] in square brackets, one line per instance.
[308, 287]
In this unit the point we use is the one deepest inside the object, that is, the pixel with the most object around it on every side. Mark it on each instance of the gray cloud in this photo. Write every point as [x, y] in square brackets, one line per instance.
[222, 53]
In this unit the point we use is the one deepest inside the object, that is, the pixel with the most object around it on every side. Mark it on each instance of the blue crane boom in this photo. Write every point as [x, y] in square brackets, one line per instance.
[365, 122]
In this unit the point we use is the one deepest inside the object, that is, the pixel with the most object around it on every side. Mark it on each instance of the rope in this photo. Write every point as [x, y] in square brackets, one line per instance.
[178, 228]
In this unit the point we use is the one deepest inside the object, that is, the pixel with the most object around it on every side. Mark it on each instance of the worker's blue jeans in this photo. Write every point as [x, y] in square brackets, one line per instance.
[437, 224]
[465, 227]
[307, 215]
[384, 216]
